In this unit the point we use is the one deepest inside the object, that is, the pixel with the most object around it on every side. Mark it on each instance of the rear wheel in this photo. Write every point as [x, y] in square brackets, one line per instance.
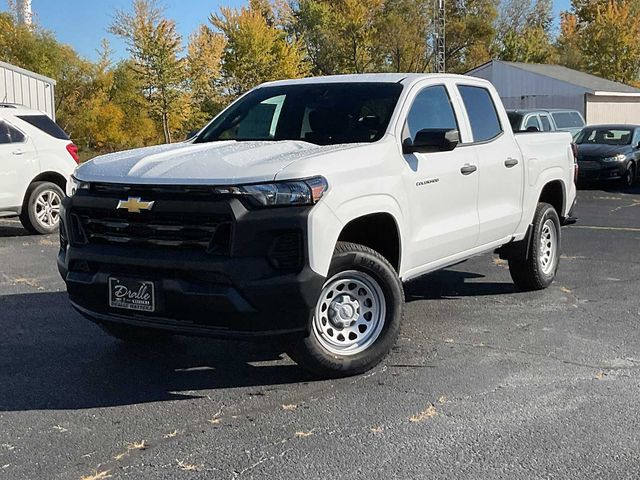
[41, 210]
[538, 270]
[357, 317]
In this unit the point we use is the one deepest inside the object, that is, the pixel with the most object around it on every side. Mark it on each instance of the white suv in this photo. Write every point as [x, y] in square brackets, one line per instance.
[36, 159]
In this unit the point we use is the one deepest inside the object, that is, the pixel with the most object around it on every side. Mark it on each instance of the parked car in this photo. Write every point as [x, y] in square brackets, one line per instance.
[301, 209]
[609, 152]
[549, 120]
[36, 159]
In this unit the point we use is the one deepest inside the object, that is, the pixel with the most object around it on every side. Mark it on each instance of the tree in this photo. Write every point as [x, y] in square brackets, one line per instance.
[340, 36]
[524, 32]
[403, 29]
[470, 33]
[204, 64]
[154, 45]
[609, 43]
[255, 51]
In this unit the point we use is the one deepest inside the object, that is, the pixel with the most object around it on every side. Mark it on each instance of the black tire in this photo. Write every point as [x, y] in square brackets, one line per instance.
[311, 354]
[629, 178]
[132, 334]
[31, 208]
[529, 273]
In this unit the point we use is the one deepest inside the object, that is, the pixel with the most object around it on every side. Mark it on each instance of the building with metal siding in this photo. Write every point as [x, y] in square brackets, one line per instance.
[23, 87]
[530, 85]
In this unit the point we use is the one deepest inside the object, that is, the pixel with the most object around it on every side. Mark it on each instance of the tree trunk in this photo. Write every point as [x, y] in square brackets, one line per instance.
[165, 127]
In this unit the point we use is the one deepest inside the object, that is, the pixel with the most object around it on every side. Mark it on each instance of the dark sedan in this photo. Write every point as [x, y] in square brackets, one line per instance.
[609, 152]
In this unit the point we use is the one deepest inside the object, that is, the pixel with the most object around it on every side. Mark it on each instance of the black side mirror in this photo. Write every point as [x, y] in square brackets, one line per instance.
[432, 140]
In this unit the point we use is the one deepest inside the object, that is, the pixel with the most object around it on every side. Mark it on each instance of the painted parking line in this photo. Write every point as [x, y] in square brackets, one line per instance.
[616, 229]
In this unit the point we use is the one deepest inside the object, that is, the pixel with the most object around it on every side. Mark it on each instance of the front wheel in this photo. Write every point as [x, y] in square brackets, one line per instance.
[629, 176]
[538, 269]
[357, 317]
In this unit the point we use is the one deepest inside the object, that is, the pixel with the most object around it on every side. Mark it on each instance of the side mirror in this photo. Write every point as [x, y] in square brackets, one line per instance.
[432, 140]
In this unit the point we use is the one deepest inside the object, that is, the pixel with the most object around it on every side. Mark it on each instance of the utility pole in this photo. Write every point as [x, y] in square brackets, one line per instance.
[439, 34]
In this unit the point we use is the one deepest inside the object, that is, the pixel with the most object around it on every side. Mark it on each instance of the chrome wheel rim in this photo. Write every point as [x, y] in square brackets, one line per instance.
[548, 246]
[48, 208]
[350, 313]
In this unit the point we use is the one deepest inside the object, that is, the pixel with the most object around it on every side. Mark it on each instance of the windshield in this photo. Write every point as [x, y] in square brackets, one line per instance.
[324, 114]
[605, 136]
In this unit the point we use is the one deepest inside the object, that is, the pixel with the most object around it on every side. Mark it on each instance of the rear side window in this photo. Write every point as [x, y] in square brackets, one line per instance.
[431, 109]
[546, 124]
[568, 119]
[481, 111]
[44, 123]
[532, 122]
[9, 134]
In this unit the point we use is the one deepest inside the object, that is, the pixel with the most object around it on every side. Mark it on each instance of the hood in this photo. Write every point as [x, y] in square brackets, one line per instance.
[600, 151]
[215, 163]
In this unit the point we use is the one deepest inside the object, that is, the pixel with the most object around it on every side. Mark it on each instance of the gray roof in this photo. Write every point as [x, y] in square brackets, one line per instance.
[575, 77]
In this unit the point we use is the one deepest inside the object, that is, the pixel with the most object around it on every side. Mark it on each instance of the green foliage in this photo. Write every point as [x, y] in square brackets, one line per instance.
[255, 51]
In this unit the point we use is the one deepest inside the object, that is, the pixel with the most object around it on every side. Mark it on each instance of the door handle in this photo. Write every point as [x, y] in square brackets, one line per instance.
[468, 169]
[17, 152]
[510, 162]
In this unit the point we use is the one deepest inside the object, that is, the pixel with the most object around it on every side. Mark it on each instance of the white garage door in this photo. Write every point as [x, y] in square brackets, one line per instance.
[612, 109]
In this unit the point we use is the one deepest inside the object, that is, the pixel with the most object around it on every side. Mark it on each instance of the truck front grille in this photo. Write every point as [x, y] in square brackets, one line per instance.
[211, 233]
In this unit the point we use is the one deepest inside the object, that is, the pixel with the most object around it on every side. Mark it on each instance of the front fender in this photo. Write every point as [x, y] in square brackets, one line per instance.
[326, 222]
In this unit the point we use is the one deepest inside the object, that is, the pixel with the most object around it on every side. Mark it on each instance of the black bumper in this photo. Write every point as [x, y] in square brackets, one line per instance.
[603, 173]
[239, 292]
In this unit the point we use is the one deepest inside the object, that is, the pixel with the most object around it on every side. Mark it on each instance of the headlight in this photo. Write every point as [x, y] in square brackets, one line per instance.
[296, 192]
[618, 158]
[73, 185]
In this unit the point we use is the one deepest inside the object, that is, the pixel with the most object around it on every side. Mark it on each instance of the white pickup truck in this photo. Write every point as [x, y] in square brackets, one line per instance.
[300, 210]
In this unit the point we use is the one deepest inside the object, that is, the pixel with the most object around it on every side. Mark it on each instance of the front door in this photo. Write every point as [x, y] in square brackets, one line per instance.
[442, 187]
[18, 165]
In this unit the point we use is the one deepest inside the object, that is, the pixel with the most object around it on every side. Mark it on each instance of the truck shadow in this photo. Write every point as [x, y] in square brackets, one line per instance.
[51, 358]
[452, 284]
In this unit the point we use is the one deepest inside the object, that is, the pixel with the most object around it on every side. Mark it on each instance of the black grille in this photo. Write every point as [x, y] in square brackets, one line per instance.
[157, 192]
[210, 233]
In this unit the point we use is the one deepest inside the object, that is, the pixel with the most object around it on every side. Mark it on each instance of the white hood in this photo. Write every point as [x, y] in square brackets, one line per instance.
[215, 163]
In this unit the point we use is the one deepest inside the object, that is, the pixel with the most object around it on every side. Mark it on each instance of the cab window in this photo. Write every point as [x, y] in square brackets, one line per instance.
[546, 123]
[431, 109]
[532, 122]
[482, 113]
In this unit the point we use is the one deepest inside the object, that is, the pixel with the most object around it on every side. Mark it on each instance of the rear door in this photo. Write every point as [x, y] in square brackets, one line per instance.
[443, 200]
[18, 165]
[499, 162]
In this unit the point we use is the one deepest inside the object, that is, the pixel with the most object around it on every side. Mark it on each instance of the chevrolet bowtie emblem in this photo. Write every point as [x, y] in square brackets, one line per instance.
[134, 205]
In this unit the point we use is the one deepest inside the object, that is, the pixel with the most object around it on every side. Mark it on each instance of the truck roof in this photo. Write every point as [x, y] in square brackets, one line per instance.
[404, 78]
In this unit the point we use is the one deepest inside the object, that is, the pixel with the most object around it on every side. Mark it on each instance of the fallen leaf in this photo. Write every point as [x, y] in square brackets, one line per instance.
[97, 475]
[188, 467]
[424, 415]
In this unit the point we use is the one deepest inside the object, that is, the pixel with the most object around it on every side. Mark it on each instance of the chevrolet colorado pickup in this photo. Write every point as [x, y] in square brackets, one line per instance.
[300, 210]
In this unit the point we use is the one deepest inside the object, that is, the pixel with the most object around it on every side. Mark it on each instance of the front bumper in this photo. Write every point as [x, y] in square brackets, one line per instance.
[241, 293]
[601, 172]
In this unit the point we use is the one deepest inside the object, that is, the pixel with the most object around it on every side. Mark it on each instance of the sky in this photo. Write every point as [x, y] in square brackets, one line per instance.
[83, 23]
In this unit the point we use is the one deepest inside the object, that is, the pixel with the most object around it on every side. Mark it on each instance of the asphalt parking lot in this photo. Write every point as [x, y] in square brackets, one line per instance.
[484, 382]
